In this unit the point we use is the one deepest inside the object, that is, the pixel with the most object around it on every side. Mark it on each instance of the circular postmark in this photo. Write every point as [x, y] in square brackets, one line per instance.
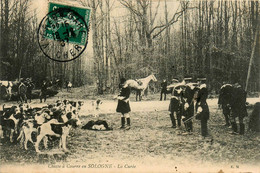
[63, 35]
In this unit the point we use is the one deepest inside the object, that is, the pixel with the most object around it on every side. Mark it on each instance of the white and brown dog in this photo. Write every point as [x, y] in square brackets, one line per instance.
[96, 107]
[10, 119]
[29, 126]
[58, 129]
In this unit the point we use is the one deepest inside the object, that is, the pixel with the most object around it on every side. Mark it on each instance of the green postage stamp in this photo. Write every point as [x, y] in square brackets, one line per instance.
[63, 32]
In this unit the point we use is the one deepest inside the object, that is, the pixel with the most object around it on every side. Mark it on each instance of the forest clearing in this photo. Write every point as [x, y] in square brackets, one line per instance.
[129, 86]
[150, 144]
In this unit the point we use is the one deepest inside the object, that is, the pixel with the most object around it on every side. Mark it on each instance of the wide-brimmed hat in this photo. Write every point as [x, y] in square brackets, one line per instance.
[187, 78]
[175, 80]
[201, 79]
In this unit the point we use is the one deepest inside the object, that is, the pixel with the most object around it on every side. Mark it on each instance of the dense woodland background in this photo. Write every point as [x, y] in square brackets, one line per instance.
[212, 38]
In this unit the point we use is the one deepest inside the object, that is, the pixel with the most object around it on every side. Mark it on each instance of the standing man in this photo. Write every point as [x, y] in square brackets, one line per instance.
[22, 91]
[201, 106]
[123, 104]
[224, 101]
[238, 109]
[189, 103]
[43, 93]
[30, 87]
[163, 89]
[176, 106]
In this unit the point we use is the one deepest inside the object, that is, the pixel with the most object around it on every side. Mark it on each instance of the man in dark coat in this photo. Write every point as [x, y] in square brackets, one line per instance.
[188, 96]
[123, 103]
[238, 108]
[30, 86]
[43, 93]
[176, 106]
[224, 101]
[201, 106]
[22, 91]
[163, 89]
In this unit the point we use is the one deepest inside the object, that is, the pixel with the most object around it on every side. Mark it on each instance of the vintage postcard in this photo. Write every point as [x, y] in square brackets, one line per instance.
[129, 86]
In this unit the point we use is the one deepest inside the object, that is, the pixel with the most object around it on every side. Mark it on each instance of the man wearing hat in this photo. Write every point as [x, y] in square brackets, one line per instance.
[176, 105]
[43, 93]
[201, 106]
[224, 100]
[238, 108]
[30, 86]
[172, 85]
[188, 105]
[123, 103]
[163, 89]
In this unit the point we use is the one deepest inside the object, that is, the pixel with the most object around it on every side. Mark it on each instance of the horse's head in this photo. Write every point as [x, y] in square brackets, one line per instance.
[153, 78]
[129, 83]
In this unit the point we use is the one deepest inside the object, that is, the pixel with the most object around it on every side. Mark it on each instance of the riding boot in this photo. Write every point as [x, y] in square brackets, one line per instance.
[242, 129]
[190, 126]
[128, 123]
[234, 126]
[227, 120]
[173, 120]
[179, 120]
[122, 122]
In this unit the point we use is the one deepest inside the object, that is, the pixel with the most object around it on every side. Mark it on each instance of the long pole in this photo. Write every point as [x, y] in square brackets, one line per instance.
[251, 58]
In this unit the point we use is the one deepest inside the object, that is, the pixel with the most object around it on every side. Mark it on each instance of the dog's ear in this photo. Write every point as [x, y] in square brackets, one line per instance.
[69, 115]
[72, 122]
[98, 101]
[80, 103]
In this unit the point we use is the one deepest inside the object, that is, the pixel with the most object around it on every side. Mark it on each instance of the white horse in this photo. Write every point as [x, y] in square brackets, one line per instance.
[140, 85]
[8, 88]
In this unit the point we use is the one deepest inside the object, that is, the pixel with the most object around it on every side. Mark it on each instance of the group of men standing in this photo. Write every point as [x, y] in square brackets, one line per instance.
[232, 100]
[189, 101]
[26, 86]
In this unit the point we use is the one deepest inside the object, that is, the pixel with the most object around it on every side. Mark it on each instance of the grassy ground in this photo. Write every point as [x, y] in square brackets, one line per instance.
[151, 143]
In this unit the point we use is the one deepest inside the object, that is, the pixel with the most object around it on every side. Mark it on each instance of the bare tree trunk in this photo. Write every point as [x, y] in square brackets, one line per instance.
[251, 58]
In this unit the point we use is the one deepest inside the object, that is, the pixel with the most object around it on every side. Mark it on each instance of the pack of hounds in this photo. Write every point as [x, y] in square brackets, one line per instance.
[26, 124]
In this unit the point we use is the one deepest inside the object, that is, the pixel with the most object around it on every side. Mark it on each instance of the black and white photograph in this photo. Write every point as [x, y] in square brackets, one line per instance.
[152, 86]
